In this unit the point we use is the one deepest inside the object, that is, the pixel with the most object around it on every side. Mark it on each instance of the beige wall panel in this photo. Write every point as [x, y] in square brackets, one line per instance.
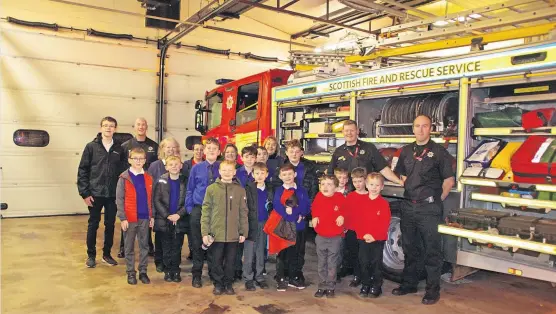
[40, 108]
[20, 42]
[42, 201]
[71, 78]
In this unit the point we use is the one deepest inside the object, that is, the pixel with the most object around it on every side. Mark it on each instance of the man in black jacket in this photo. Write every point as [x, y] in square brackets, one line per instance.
[306, 176]
[151, 149]
[101, 163]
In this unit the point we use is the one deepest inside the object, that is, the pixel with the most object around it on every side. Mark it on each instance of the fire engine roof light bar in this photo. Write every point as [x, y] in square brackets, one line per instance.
[504, 241]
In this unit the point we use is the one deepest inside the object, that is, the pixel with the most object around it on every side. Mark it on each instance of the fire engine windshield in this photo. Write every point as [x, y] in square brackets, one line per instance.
[214, 103]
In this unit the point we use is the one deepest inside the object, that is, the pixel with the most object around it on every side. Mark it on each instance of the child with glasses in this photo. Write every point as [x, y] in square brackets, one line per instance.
[133, 199]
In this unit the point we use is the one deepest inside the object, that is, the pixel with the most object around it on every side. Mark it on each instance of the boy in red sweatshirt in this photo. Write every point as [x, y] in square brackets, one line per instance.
[373, 220]
[328, 221]
[351, 245]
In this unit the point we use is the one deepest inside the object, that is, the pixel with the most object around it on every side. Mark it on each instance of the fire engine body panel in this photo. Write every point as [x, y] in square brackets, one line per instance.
[466, 97]
[240, 110]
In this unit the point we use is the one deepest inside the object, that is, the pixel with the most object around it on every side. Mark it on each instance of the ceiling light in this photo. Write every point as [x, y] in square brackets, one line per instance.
[440, 23]
[317, 50]
[461, 18]
[475, 16]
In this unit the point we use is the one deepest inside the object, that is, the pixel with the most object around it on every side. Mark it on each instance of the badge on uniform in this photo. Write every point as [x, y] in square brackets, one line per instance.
[362, 152]
[151, 148]
[430, 154]
[378, 213]
[341, 158]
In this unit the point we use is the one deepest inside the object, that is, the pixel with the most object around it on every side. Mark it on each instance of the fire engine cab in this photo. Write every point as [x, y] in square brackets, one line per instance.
[238, 112]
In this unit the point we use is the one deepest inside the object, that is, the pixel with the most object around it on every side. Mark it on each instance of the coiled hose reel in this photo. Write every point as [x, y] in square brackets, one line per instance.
[398, 113]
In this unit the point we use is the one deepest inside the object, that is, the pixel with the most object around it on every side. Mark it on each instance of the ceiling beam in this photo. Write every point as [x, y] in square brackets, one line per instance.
[408, 8]
[301, 15]
[340, 19]
[371, 7]
[289, 4]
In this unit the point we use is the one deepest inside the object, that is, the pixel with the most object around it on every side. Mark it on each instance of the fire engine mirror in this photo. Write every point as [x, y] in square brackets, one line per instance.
[233, 122]
[198, 104]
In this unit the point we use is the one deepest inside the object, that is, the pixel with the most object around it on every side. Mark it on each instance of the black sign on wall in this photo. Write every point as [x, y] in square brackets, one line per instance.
[162, 8]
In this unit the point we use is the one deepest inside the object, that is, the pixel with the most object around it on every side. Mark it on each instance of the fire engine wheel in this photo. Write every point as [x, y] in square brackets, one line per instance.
[393, 257]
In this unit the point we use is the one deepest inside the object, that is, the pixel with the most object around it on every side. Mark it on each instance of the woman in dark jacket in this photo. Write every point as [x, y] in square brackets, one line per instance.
[274, 161]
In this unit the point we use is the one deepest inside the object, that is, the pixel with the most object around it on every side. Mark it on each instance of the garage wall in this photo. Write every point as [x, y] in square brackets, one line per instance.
[65, 82]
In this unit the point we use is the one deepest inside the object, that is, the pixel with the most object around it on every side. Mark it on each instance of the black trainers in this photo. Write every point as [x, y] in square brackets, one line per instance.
[217, 290]
[430, 298]
[91, 263]
[250, 285]
[401, 290]
[144, 278]
[121, 254]
[375, 292]
[282, 285]
[264, 271]
[177, 277]
[355, 282]
[160, 268]
[168, 277]
[229, 290]
[131, 279]
[296, 283]
[197, 282]
[330, 293]
[109, 260]
[320, 293]
[238, 275]
[364, 292]
[262, 284]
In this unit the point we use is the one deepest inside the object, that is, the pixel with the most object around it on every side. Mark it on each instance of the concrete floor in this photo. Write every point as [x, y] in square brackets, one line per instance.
[43, 271]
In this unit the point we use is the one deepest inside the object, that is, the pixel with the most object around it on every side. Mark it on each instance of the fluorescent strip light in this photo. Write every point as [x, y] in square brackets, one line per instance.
[477, 182]
[513, 201]
[440, 23]
[503, 241]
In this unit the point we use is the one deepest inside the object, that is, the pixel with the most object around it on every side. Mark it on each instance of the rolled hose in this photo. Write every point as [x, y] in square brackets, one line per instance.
[442, 108]
[92, 32]
[225, 52]
[260, 58]
[53, 26]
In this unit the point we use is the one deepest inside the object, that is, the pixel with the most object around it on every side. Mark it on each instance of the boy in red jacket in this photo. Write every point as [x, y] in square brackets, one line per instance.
[134, 201]
[351, 245]
[373, 220]
[328, 221]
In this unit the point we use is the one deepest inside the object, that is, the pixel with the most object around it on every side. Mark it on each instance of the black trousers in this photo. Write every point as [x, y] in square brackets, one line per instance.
[109, 204]
[158, 249]
[172, 243]
[350, 258]
[421, 242]
[222, 268]
[151, 246]
[300, 241]
[370, 259]
[197, 241]
[286, 263]
[239, 257]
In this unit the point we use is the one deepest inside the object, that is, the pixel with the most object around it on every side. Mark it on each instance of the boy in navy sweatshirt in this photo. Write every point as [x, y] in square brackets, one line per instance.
[295, 213]
[244, 175]
[373, 219]
[258, 196]
[328, 221]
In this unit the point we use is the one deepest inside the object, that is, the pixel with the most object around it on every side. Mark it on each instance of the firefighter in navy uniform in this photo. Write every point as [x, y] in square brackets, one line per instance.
[355, 153]
[151, 149]
[426, 169]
